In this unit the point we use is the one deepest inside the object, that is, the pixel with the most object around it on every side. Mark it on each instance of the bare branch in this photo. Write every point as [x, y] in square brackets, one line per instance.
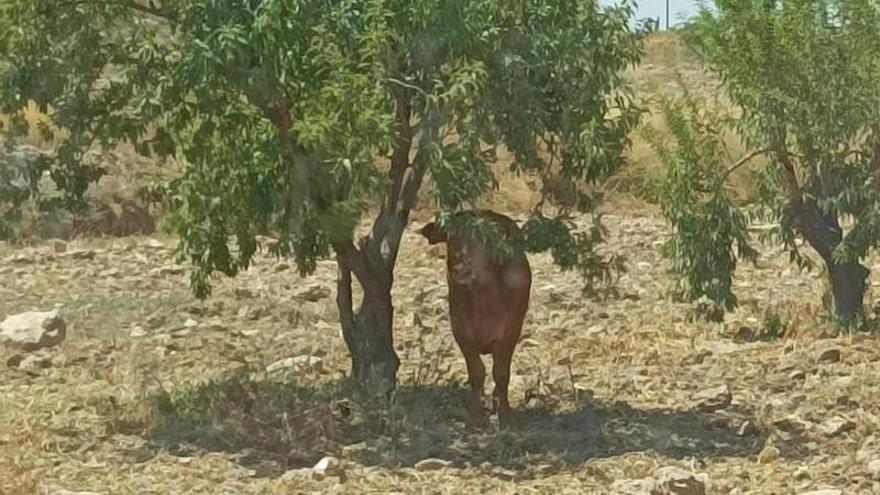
[745, 159]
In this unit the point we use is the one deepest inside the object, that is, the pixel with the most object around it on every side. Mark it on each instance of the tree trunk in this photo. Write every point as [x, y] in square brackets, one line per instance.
[368, 332]
[823, 232]
[848, 287]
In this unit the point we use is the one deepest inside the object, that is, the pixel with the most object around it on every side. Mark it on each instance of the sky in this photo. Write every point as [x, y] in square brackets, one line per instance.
[654, 8]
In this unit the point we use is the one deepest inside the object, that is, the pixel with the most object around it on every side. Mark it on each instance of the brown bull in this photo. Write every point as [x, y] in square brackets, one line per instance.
[488, 301]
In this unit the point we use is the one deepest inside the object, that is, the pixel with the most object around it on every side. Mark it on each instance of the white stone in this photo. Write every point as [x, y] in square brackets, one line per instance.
[676, 481]
[634, 487]
[33, 330]
[302, 362]
[431, 464]
[327, 466]
[312, 293]
[835, 426]
[713, 399]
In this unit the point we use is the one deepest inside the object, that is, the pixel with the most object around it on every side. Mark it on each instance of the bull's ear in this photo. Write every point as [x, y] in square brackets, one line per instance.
[432, 233]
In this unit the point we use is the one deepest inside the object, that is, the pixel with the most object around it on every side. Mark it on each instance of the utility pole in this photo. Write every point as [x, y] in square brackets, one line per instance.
[667, 15]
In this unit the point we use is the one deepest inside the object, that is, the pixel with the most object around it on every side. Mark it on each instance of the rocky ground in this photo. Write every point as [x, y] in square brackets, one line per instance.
[155, 392]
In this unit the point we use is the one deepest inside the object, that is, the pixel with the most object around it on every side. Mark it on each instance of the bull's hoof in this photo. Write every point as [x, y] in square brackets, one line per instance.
[507, 420]
[476, 417]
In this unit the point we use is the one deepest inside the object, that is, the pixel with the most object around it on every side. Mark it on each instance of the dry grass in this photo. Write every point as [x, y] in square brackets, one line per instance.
[37, 120]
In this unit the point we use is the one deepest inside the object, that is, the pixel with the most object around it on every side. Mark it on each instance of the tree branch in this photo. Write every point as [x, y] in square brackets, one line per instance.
[348, 256]
[343, 295]
[875, 159]
[784, 157]
[402, 147]
[150, 9]
[414, 182]
[745, 159]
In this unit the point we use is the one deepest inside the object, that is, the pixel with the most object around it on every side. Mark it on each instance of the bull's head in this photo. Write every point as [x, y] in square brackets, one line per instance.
[433, 233]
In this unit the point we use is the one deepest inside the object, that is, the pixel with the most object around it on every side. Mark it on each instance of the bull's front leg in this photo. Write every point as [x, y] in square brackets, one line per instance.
[501, 359]
[477, 380]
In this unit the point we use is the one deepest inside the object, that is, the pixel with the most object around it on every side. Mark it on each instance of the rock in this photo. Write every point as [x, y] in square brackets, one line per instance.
[154, 243]
[304, 362]
[59, 246]
[82, 254]
[835, 426]
[215, 326]
[431, 464]
[797, 375]
[14, 360]
[266, 241]
[555, 297]
[167, 270]
[327, 466]
[744, 335]
[634, 487]
[243, 293]
[830, 356]
[745, 429]
[672, 480]
[802, 474]
[768, 455]
[874, 468]
[694, 359]
[21, 259]
[282, 266]
[712, 399]
[137, 331]
[190, 323]
[350, 450]
[830, 491]
[33, 330]
[35, 362]
[112, 272]
[503, 474]
[312, 293]
[595, 330]
[297, 474]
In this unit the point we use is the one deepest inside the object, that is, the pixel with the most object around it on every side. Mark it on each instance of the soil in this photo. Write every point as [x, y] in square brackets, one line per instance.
[156, 392]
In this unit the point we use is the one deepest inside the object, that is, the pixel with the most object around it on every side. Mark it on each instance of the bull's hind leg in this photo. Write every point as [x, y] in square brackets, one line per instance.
[501, 358]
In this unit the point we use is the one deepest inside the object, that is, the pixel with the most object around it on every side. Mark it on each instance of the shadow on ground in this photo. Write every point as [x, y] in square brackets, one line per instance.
[275, 425]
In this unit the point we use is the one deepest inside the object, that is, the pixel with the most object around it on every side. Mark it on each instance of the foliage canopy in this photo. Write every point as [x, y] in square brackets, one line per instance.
[296, 116]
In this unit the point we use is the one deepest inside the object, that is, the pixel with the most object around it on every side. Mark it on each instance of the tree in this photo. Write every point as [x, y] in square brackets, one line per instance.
[297, 117]
[804, 78]
[709, 231]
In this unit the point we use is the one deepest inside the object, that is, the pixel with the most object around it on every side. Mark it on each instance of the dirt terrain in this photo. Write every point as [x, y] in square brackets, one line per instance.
[155, 392]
